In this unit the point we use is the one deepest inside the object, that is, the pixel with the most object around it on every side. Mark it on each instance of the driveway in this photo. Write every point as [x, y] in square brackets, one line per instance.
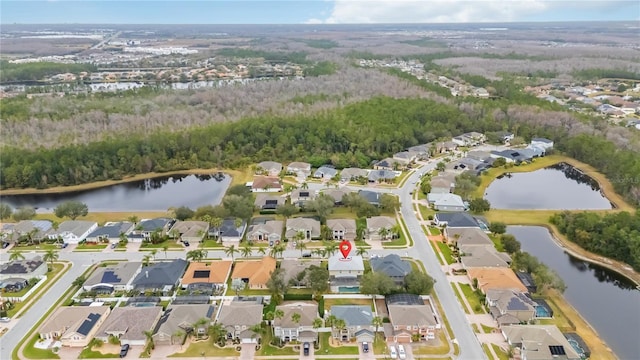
[366, 355]
[248, 351]
[312, 352]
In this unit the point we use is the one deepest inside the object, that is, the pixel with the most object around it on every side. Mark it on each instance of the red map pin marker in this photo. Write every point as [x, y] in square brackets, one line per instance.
[345, 248]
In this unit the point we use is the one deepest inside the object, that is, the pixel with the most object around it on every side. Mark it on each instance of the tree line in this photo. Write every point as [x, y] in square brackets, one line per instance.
[38, 70]
[614, 235]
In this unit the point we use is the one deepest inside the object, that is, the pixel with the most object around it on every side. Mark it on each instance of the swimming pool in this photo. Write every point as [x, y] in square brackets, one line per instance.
[542, 312]
[349, 289]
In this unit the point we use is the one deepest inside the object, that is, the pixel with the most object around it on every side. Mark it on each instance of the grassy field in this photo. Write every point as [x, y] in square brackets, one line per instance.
[197, 349]
[472, 298]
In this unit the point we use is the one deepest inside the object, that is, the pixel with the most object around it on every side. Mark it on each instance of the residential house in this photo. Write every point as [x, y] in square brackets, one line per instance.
[238, 317]
[160, 277]
[73, 231]
[268, 202]
[390, 164]
[446, 202]
[542, 142]
[254, 273]
[510, 307]
[293, 267]
[441, 185]
[514, 155]
[446, 146]
[337, 195]
[129, 323]
[74, 326]
[265, 184]
[352, 174]
[288, 328]
[506, 136]
[110, 232]
[206, 277]
[118, 277]
[358, 319]
[300, 169]
[342, 229]
[376, 224]
[146, 227]
[422, 151]
[269, 230]
[376, 176]
[230, 231]
[372, 197]
[539, 342]
[482, 256]
[36, 229]
[410, 318]
[466, 236]
[527, 280]
[190, 231]
[455, 220]
[495, 278]
[325, 172]
[300, 197]
[391, 265]
[270, 168]
[309, 227]
[405, 157]
[178, 321]
[345, 272]
[23, 269]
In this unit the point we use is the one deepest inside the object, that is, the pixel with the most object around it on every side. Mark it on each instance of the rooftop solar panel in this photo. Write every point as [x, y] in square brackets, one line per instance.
[88, 324]
[557, 350]
[110, 277]
[516, 304]
[201, 274]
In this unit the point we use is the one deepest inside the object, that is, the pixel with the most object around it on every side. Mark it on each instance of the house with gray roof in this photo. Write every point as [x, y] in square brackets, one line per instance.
[238, 317]
[466, 236]
[177, 322]
[300, 197]
[74, 326]
[351, 174]
[405, 157]
[24, 269]
[337, 195]
[441, 185]
[118, 277]
[301, 330]
[539, 342]
[309, 227]
[482, 256]
[342, 229]
[455, 220]
[37, 228]
[268, 202]
[446, 202]
[293, 267]
[146, 227]
[479, 155]
[381, 175]
[390, 164]
[129, 323]
[372, 197]
[509, 307]
[270, 168]
[229, 230]
[409, 320]
[325, 172]
[161, 276]
[190, 230]
[345, 272]
[391, 265]
[269, 230]
[375, 224]
[73, 231]
[357, 319]
[110, 232]
[299, 169]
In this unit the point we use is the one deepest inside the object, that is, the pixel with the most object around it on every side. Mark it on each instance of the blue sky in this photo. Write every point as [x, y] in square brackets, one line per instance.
[313, 11]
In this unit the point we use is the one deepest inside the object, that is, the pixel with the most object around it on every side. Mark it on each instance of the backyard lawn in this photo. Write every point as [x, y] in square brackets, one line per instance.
[328, 303]
[196, 349]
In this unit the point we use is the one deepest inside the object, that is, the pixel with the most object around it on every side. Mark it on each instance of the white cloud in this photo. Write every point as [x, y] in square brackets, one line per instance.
[436, 11]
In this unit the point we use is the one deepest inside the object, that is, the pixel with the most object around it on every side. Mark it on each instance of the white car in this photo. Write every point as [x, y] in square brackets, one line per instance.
[5, 319]
[392, 352]
[401, 353]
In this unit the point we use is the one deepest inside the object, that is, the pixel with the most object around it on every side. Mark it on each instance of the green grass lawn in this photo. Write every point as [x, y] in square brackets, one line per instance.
[502, 355]
[328, 303]
[172, 244]
[472, 298]
[446, 251]
[487, 329]
[435, 250]
[426, 212]
[90, 247]
[268, 350]
[400, 242]
[485, 348]
[380, 345]
[206, 347]
[41, 247]
[33, 353]
[496, 242]
[326, 349]
[88, 353]
[211, 243]
[434, 230]
[455, 291]
[55, 270]
[440, 349]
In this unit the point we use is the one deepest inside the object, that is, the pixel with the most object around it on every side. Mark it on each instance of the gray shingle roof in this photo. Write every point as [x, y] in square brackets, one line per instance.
[112, 231]
[456, 219]
[353, 315]
[119, 274]
[336, 263]
[160, 274]
[391, 265]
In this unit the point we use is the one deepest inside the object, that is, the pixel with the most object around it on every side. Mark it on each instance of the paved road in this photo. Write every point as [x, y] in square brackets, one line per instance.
[470, 347]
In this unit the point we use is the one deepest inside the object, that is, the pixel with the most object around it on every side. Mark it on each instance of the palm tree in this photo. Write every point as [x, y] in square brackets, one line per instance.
[257, 329]
[377, 322]
[317, 323]
[262, 251]
[31, 236]
[217, 333]
[145, 260]
[199, 324]
[319, 252]
[396, 230]
[153, 253]
[50, 256]
[304, 186]
[295, 317]
[279, 250]
[134, 219]
[123, 239]
[180, 335]
[230, 250]
[361, 251]
[330, 249]
[246, 251]
[339, 325]
[330, 320]
[238, 222]
[196, 255]
[149, 335]
[16, 255]
[301, 246]
[383, 232]
[165, 247]
[216, 223]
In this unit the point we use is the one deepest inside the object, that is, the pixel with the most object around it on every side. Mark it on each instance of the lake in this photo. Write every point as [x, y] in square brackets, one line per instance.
[157, 194]
[607, 300]
[558, 187]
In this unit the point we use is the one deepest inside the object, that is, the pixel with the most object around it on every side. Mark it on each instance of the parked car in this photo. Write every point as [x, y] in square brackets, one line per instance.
[392, 352]
[186, 243]
[5, 319]
[124, 350]
[401, 353]
[306, 255]
[114, 245]
[64, 245]
[305, 348]
[5, 245]
[365, 346]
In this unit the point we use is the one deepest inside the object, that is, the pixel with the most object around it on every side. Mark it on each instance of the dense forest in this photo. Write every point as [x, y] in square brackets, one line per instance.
[38, 70]
[615, 235]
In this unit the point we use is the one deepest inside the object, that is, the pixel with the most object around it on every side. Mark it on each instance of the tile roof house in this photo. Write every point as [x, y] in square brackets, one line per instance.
[190, 231]
[300, 197]
[342, 229]
[271, 168]
[300, 169]
[161, 276]
[345, 272]
[309, 227]
[206, 277]
[376, 223]
[23, 269]
[482, 256]
[410, 320]
[255, 273]
[238, 317]
[293, 267]
[466, 236]
[268, 201]
[270, 230]
[391, 265]
[455, 220]
[265, 184]
[73, 231]
[110, 232]
[229, 231]
[325, 172]
[350, 174]
[301, 330]
[146, 227]
[74, 326]
[118, 277]
[446, 201]
[129, 324]
[510, 307]
[495, 278]
[178, 321]
[357, 318]
[539, 342]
